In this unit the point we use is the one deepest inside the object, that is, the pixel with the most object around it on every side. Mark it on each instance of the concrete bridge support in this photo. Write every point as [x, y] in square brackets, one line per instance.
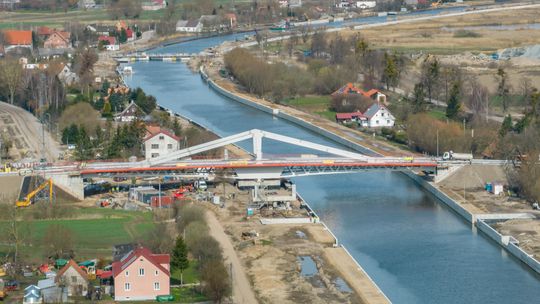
[71, 184]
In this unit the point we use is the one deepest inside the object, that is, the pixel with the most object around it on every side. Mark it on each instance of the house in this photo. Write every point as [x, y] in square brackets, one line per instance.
[366, 4]
[154, 5]
[74, 278]
[130, 113]
[120, 250]
[160, 142]
[379, 116]
[130, 35]
[67, 77]
[98, 29]
[121, 25]
[109, 43]
[44, 32]
[58, 40]
[9, 4]
[141, 275]
[85, 4]
[44, 53]
[32, 294]
[189, 26]
[17, 39]
[349, 88]
[210, 22]
[350, 117]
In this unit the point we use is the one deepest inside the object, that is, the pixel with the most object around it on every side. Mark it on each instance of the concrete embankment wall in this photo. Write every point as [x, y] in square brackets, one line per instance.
[298, 121]
[507, 242]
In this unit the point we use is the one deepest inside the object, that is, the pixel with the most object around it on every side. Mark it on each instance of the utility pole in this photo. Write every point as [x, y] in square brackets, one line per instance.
[437, 143]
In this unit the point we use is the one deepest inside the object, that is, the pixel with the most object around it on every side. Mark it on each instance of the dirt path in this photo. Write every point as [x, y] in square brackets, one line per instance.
[242, 289]
[28, 129]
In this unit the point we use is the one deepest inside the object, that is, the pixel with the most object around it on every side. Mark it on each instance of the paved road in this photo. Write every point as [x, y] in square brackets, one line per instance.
[30, 129]
[242, 289]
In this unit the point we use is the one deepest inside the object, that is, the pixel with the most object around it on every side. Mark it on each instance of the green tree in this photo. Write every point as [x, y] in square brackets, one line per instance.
[177, 129]
[430, 75]
[84, 150]
[506, 126]
[179, 258]
[107, 112]
[503, 89]
[418, 99]
[454, 105]
[70, 134]
[390, 73]
[122, 36]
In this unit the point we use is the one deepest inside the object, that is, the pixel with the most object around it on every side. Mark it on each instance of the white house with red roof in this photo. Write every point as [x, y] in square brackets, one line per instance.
[141, 275]
[159, 142]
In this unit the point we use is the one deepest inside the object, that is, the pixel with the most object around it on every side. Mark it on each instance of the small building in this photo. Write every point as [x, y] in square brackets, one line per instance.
[154, 5]
[379, 116]
[17, 39]
[68, 77]
[44, 53]
[86, 4]
[51, 292]
[109, 43]
[350, 117]
[73, 278]
[366, 4]
[349, 89]
[44, 32]
[141, 275]
[130, 113]
[189, 26]
[32, 294]
[159, 143]
[58, 40]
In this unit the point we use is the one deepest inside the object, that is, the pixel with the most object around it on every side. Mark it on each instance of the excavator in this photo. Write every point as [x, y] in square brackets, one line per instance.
[29, 198]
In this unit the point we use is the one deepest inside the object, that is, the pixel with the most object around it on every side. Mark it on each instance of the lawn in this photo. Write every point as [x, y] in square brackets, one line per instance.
[187, 295]
[438, 113]
[91, 236]
[191, 275]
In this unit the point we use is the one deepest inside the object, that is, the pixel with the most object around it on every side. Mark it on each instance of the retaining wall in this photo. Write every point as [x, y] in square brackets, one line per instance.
[510, 244]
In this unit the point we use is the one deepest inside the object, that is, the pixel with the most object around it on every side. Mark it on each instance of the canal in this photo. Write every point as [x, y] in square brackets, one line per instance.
[413, 247]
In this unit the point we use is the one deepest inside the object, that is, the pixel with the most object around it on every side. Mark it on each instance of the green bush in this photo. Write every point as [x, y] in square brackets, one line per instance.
[466, 34]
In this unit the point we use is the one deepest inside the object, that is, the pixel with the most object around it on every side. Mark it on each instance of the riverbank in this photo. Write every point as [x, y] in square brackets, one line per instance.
[469, 213]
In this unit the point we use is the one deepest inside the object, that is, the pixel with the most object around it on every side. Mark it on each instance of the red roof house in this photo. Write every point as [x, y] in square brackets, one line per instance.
[110, 39]
[14, 38]
[75, 279]
[58, 40]
[141, 275]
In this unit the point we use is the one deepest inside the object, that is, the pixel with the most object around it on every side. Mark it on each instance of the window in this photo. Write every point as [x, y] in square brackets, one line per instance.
[127, 273]
[377, 122]
[127, 287]
[154, 155]
[169, 146]
[155, 146]
[156, 285]
[388, 121]
[141, 271]
[156, 273]
[73, 279]
[161, 137]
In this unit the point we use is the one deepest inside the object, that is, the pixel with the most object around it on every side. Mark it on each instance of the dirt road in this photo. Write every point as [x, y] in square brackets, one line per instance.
[242, 289]
[26, 132]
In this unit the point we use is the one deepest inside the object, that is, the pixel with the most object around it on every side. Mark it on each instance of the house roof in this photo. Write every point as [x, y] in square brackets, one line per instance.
[155, 259]
[131, 105]
[343, 116]
[373, 109]
[110, 39]
[151, 135]
[47, 283]
[349, 88]
[192, 23]
[371, 92]
[70, 264]
[44, 31]
[14, 37]
[129, 33]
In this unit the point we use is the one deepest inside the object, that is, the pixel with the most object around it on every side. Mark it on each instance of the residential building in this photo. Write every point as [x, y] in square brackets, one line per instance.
[10, 4]
[85, 4]
[130, 113]
[68, 77]
[154, 5]
[120, 250]
[160, 142]
[366, 4]
[349, 88]
[189, 26]
[109, 43]
[58, 40]
[351, 117]
[17, 39]
[73, 278]
[379, 116]
[44, 53]
[44, 32]
[141, 275]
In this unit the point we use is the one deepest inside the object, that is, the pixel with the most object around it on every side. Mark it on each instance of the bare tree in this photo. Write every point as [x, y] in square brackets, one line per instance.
[478, 98]
[58, 241]
[11, 75]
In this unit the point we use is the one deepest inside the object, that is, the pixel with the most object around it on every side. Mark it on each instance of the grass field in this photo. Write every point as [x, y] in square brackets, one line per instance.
[92, 237]
[191, 275]
[313, 104]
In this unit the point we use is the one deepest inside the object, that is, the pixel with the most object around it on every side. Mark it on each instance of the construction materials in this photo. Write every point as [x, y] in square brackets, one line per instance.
[31, 197]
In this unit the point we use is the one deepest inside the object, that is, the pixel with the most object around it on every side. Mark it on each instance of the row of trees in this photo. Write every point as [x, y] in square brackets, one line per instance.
[193, 243]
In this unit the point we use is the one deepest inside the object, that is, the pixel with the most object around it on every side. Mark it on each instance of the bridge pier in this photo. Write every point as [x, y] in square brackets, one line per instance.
[71, 184]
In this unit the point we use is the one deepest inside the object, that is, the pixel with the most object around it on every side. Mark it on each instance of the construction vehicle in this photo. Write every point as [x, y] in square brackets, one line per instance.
[32, 196]
[3, 293]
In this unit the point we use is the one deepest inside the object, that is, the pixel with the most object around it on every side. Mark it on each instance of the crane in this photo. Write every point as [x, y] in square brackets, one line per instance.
[28, 199]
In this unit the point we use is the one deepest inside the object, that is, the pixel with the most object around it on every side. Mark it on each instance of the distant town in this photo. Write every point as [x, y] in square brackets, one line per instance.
[272, 151]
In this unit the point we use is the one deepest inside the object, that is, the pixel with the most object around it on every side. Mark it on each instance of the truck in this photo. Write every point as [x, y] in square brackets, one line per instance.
[450, 155]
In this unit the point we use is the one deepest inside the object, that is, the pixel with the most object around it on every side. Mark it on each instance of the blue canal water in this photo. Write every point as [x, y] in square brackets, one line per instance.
[413, 247]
